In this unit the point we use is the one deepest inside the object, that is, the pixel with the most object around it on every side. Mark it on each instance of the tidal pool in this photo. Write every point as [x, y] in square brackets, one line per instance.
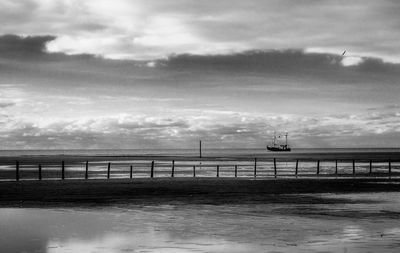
[291, 223]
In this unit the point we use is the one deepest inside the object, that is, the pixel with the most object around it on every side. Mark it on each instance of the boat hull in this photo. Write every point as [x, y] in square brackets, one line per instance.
[278, 149]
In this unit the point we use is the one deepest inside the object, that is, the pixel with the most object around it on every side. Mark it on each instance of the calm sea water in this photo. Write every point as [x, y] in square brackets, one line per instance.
[351, 223]
[190, 152]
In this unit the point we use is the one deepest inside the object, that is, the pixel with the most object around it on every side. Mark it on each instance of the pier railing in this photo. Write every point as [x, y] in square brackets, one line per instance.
[221, 168]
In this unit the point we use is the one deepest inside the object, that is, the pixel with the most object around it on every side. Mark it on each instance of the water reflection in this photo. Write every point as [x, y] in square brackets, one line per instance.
[255, 227]
[147, 243]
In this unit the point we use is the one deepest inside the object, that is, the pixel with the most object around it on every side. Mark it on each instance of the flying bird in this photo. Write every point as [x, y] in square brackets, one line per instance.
[344, 53]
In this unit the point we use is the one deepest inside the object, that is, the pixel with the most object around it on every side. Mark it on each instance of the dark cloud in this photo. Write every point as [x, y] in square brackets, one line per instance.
[373, 65]
[4, 104]
[23, 47]
[32, 49]
[287, 63]
[275, 61]
[91, 27]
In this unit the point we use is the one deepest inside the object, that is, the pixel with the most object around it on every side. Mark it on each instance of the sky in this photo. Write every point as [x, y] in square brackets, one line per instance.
[167, 73]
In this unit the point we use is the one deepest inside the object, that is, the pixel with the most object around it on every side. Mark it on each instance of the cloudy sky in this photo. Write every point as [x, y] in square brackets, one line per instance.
[166, 73]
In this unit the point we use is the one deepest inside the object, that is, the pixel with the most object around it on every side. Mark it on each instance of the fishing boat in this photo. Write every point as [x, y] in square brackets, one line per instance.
[279, 147]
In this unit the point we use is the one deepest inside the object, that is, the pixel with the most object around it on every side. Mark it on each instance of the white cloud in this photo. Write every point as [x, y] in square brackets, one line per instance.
[351, 61]
[156, 28]
[164, 31]
[217, 128]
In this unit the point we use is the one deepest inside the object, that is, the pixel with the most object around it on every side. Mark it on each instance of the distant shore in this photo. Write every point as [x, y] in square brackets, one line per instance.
[181, 190]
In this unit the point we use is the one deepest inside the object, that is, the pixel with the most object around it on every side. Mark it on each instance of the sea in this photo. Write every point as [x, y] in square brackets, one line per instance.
[221, 152]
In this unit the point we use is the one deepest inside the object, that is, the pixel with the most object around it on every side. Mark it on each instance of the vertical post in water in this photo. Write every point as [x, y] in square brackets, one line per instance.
[235, 170]
[17, 170]
[173, 168]
[152, 169]
[200, 148]
[87, 170]
[354, 167]
[62, 170]
[370, 166]
[40, 171]
[275, 172]
[217, 170]
[297, 167]
[255, 167]
[130, 173]
[336, 169]
[194, 170]
[318, 167]
[108, 170]
[390, 168]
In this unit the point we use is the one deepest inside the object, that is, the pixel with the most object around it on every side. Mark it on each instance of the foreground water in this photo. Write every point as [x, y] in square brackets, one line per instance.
[290, 223]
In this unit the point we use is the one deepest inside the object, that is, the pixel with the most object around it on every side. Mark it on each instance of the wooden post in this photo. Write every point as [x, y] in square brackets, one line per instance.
[200, 149]
[235, 170]
[173, 168]
[130, 174]
[217, 170]
[275, 172]
[318, 167]
[255, 167]
[194, 170]
[390, 168]
[152, 169]
[297, 167]
[17, 171]
[370, 166]
[354, 167]
[336, 167]
[62, 170]
[40, 172]
[108, 170]
[87, 170]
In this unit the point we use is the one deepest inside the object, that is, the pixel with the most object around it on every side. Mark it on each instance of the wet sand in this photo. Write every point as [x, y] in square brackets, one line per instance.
[185, 190]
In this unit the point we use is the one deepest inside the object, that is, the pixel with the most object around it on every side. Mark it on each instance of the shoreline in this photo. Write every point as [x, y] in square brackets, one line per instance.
[179, 190]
